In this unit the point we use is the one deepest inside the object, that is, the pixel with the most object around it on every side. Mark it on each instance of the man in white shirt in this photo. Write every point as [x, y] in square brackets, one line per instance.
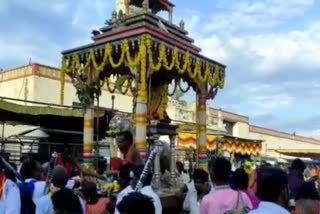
[125, 177]
[146, 188]
[31, 172]
[197, 188]
[9, 195]
[59, 181]
[272, 190]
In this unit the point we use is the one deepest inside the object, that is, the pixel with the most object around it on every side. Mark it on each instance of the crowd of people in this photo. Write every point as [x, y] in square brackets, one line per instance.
[265, 190]
[216, 190]
[66, 196]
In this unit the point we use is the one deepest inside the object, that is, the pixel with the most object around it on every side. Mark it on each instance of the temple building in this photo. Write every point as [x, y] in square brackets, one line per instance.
[41, 83]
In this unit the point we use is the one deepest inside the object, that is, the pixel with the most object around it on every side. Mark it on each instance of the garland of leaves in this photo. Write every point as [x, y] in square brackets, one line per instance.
[87, 92]
[120, 82]
[184, 90]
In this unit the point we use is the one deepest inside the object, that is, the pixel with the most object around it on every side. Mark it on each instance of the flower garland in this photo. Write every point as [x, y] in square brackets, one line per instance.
[167, 58]
[143, 70]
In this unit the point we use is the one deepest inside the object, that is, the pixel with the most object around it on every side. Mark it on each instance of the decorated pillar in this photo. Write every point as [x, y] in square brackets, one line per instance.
[202, 129]
[140, 122]
[173, 160]
[88, 137]
[156, 174]
[141, 111]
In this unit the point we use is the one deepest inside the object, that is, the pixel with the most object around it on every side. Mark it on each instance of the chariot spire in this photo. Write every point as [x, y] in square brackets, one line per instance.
[133, 7]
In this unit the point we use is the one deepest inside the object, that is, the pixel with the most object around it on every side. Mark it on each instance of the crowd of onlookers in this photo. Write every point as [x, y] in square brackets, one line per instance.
[218, 190]
[263, 190]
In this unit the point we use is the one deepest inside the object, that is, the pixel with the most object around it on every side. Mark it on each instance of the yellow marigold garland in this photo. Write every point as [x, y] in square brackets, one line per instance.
[186, 64]
[122, 56]
[143, 71]
[164, 102]
[163, 54]
[196, 70]
[132, 62]
[181, 64]
[152, 65]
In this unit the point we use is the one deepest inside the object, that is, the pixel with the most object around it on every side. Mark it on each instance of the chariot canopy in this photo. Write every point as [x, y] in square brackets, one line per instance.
[143, 53]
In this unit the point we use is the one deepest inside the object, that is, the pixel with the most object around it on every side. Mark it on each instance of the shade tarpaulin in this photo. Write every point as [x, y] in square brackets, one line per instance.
[49, 117]
[307, 153]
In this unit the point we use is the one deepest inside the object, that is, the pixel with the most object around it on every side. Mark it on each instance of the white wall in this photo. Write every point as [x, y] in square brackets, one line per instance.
[272, 143]
[241, 129]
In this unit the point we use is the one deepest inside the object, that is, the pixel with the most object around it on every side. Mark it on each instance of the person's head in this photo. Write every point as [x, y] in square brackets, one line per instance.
[240, 179]
[298, 165]
[220, 170]
[136, 203]
[125, 175]
[66, 202]
[307, 191]
[90, 193]
[200, 178]
[137, 171]
[31, 169]
[305, 206]
[124, 140]
[180, 166]
[59, 177]
[272, 186]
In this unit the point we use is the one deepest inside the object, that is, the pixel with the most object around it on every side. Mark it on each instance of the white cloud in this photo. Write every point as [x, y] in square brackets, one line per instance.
[267, 52]
[89, 10]
[256, 14]
[58, 7]
[21, 48]
[272, 102]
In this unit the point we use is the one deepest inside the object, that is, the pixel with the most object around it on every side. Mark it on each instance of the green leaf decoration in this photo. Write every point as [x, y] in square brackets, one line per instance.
[121, 80]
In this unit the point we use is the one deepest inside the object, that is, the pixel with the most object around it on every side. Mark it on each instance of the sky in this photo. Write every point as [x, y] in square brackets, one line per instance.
[271, 49]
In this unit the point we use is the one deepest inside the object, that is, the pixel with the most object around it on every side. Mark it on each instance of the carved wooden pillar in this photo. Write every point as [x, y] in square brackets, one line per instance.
[156, 172]
[173, 160]
[141, 109]
[202, 128]
[141, 124]
[88, 137]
